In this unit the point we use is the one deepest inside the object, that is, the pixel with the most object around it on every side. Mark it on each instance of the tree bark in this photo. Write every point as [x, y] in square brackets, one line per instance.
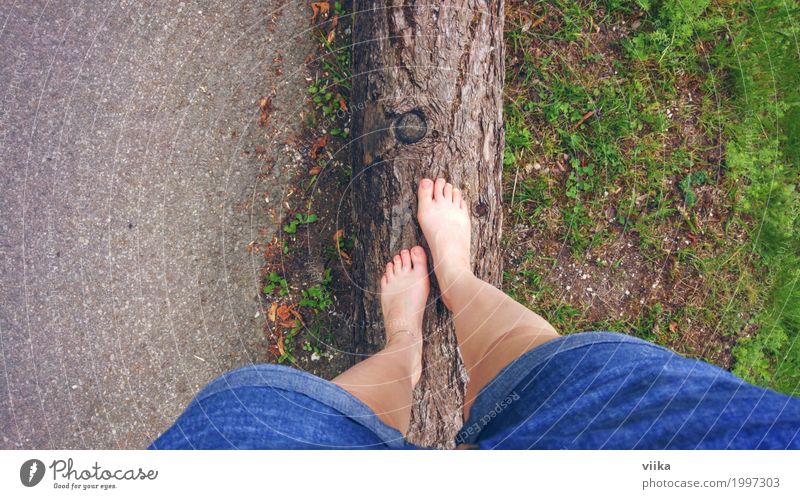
[426, 102]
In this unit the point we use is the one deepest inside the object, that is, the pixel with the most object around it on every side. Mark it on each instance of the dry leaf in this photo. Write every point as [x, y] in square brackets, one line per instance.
[342, 104]
[336, 238]
[532, 24]
[272, 309]
[284, 312]
[331, 36]
[274, 350]
[319, 8]
[280, 345]
[317, 145]
[584, 118]
[298, 317]
[314, 170]
[265, 105]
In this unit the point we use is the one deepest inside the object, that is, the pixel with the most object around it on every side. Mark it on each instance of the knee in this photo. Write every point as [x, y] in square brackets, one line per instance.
[519, 340]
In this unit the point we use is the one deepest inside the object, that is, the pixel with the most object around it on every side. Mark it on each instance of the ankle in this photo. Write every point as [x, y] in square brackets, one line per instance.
[452, 275]
[402, 338]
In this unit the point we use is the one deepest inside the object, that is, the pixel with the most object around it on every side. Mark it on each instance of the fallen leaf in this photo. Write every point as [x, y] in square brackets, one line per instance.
[532, 24]
[672, 327]
[314, 170]
[584, 118]
[265, 105]
[317, 145]
[319, 8]
[331, 36]
[342, 104]
[280, 345]
[337, 237]
[298, 317]
[272, 309]
[284, 312]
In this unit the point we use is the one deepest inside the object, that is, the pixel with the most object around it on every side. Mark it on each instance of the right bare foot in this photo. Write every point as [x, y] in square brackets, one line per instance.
[443, 215]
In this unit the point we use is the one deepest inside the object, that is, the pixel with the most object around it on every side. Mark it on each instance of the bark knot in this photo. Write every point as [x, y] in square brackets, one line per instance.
[410, 127]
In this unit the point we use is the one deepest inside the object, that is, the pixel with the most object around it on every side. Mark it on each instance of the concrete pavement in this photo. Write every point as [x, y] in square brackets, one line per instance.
[129, 191]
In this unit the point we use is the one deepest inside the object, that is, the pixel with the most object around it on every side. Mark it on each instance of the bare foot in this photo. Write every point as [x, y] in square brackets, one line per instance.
[443, 215]
[404, 292]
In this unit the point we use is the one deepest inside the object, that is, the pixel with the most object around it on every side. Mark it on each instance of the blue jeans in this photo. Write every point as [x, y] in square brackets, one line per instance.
[583, 391]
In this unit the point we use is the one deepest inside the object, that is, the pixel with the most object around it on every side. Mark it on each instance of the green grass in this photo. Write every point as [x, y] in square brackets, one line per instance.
[764, 156]
[675, 127]
[643, 138]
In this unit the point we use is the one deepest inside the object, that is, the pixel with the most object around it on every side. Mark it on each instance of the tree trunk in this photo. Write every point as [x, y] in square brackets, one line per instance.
[426, 102]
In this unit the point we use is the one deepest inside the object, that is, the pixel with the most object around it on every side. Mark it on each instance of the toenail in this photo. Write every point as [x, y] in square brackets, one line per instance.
[426, 182]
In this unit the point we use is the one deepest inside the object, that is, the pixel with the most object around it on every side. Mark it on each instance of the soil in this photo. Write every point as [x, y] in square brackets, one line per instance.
[619, 279]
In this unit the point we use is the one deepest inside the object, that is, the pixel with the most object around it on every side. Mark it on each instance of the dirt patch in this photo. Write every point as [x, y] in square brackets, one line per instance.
[657, 232]
[306, 285]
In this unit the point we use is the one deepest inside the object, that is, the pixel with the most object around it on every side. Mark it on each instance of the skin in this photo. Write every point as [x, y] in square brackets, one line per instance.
[492, 329]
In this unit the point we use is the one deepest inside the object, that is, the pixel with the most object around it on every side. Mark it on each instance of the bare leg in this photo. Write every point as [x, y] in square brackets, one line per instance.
[492, 329]
[384, 382]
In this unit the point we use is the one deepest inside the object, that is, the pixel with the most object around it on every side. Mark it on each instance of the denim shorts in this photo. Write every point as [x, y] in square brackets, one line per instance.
[593, 390]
